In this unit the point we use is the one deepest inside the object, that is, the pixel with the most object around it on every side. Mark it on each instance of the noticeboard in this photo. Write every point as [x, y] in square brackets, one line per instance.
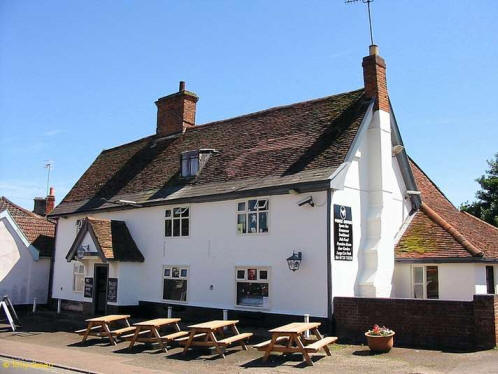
[343, 233]
[112, 290]
[88, 287]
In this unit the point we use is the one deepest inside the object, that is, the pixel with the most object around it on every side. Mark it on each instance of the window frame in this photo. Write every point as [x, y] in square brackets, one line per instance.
[187, 278]
[247, 211]
[424, 281]
[268, 280]
[490, 286]
[81, 274]
[171, 218]
[190, 155]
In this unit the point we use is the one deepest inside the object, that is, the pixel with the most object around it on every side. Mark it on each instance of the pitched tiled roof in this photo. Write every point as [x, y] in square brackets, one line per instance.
[38, 230]
[111, 237]
[440, 230]
[303, 142]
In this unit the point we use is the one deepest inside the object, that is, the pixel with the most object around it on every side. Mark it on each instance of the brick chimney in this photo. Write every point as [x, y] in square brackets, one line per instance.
[44, 205]
[176, 112]
[374, 76]
[50, 201]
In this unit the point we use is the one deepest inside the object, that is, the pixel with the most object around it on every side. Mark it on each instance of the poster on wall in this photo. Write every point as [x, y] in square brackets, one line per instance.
[112, 290]
[343, 233]
[88, 292]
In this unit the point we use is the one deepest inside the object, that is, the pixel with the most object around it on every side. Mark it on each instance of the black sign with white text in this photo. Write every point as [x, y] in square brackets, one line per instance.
[88, 287]
[112, 291]
[343, 233]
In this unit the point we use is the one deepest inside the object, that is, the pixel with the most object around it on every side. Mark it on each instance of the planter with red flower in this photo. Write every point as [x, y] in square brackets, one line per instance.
[380, 339]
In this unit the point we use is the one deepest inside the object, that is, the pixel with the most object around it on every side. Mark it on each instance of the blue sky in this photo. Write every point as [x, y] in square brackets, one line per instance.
[77, 77]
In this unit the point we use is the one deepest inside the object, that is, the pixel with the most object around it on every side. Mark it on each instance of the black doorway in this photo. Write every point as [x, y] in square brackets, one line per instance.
[100, 294]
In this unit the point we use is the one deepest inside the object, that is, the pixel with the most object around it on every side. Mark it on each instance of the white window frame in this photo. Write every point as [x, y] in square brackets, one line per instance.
[187, 278]
[189, 156]
[424, 280]
[258, 280]
[247, 212]
[79, 265]
[172, 219]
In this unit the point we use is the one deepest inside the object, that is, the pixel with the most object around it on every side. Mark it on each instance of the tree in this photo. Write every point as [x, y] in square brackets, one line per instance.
[486, 206]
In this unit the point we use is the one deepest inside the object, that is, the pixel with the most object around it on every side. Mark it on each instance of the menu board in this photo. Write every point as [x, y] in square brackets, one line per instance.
[112, 290]
[343, 233]
[88, 287]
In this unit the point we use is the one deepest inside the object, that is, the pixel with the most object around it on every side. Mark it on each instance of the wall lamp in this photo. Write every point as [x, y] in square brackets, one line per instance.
[294, 261]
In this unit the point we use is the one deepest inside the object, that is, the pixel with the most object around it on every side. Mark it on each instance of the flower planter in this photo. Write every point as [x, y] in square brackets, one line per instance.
[379, 343]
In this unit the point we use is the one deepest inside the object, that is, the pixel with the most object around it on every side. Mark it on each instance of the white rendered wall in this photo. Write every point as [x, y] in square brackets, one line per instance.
[21, 278]
[213, 250]
[456, 281]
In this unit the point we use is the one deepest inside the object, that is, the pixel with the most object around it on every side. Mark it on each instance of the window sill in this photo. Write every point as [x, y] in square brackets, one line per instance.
[176, 302]
[252, 308]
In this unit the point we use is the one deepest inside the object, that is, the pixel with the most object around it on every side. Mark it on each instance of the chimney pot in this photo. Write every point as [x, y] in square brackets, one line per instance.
[373, 50]
[52, 192]
[182, 86]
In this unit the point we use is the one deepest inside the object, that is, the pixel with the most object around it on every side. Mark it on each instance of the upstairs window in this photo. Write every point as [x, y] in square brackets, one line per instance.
[252, 216]
[190, 164]
[177, 222]
[425, 282]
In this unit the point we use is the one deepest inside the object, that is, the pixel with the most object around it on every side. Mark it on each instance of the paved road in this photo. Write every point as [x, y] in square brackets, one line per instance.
[14, 366]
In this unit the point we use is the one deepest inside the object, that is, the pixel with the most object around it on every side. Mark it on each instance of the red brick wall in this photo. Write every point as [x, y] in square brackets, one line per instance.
[436, 324]
[374, 76]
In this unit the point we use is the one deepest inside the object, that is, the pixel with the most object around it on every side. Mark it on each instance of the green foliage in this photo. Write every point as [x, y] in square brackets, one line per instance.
[486, 206]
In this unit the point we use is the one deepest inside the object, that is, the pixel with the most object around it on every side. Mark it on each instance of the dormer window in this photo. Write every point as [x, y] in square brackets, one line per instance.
[193, 161]
[190, 164]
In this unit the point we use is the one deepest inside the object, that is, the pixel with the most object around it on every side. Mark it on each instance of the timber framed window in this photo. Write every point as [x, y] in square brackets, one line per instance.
[78, 276]
[177, 222]
[252, 216]
[252, 286]
[175, 279]
[425, 282]
[490, 280]
[190, 163]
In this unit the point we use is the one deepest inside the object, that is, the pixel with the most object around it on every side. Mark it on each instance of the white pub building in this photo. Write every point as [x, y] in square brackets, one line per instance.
[270, 213]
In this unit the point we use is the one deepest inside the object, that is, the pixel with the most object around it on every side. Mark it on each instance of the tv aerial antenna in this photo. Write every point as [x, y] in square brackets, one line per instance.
[49, 164]
[369, 15]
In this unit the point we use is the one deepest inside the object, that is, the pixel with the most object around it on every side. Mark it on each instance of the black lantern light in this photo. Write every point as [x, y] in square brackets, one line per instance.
[294, 261]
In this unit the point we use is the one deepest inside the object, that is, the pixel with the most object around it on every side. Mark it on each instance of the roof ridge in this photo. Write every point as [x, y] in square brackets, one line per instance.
[127, 144]
[434, 184]
[479, 220]
[450, 229]
[32, 214]
[272, 109]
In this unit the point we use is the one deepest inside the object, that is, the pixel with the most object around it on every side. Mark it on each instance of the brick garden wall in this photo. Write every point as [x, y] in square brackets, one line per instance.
[439, 324]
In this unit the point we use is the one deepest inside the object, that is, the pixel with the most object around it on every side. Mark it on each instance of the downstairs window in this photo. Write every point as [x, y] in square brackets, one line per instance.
[425, 282]
[253, 284]
[175, 280]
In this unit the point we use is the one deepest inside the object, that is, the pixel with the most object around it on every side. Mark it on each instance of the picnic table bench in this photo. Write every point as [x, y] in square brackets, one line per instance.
[204, 335]
[148, 332]
[289, 339]
[101, 327]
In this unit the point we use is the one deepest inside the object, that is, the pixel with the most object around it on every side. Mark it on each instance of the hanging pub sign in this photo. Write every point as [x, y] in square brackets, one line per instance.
[112, 290]
[343, 233]
[88, 287]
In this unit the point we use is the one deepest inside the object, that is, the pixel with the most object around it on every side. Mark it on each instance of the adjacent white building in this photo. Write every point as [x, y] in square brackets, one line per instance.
[210, 216]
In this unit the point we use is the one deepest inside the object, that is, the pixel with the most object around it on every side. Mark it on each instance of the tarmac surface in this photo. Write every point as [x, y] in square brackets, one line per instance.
[48, 339]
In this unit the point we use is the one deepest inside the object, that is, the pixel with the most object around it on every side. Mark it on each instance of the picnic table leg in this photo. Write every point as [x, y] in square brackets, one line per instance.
[235, 330]
[88, 329]
[158, 338]
[177, 328]
[127, 323]
[189, 342]
[319, 337]
[135, 336]
[215, 343]
[108, 333]
[300, 346]
[270, 347]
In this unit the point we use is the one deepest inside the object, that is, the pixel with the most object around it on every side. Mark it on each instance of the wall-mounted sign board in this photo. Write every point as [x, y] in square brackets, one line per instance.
[112, 290]
[343, 233]
[88, 287]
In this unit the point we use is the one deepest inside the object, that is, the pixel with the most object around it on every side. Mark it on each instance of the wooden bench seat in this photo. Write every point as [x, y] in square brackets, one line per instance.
[184, 339]
[235, 338]
[174, 335]
[82, 331]
[314, 347]
[262, 346]
[122, 331]
[130, 336]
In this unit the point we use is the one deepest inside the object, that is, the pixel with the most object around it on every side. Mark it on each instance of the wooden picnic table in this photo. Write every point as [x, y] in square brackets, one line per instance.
[289, 339]
[100, 326]
[204, 335]
[148, 332]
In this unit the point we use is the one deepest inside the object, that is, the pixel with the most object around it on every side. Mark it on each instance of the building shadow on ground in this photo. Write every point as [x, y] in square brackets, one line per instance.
[279, 360]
